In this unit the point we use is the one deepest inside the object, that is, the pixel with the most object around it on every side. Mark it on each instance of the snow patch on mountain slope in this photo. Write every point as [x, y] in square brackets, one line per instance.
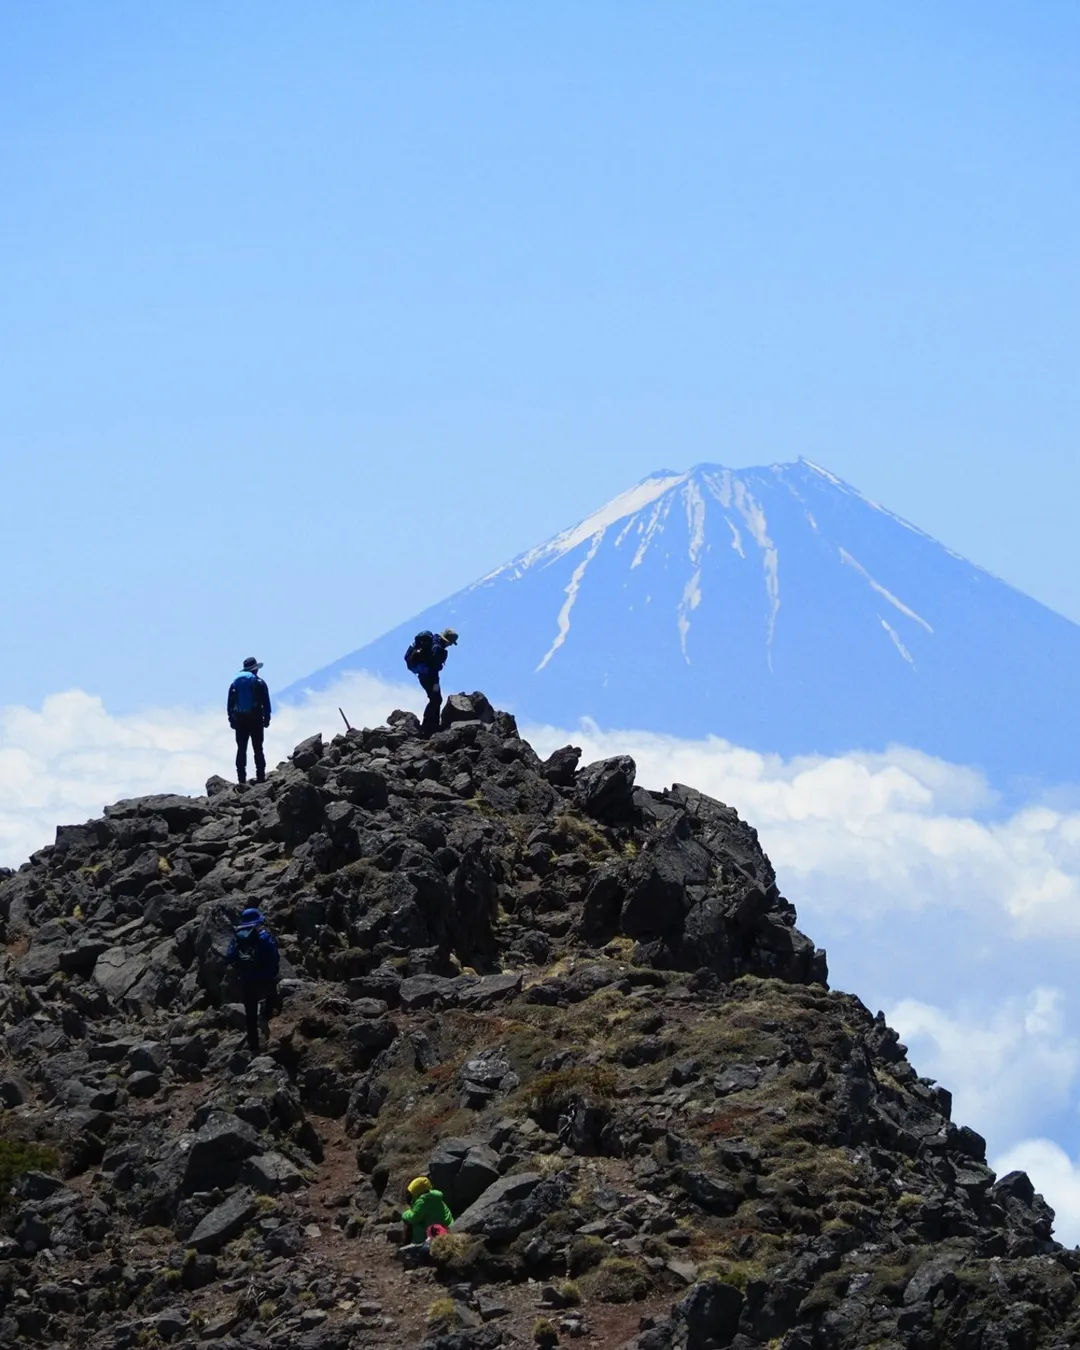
[896, 641]
[754, 517]
[719, 484]
[627, 503]
[655, 525]
[824, 473]
[691, 596]
[571, 595]
[845, 557]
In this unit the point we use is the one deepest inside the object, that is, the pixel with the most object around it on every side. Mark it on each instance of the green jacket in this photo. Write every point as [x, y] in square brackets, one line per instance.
[427, 1209]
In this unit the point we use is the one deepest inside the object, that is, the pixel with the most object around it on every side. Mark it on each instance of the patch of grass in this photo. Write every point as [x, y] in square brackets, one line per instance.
[457, 1255]
[737, 1273]
[827, 1293]
[544, 1333]
[17, 1158]
[586, 1253]
[824, 1170]
[443, 1315]
[889, 1282]
[572, 832]
[554, 1091]
[569, 1292]
[619, 1279]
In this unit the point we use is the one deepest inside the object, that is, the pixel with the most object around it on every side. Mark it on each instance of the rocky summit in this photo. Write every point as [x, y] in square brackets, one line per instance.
[582, 1008]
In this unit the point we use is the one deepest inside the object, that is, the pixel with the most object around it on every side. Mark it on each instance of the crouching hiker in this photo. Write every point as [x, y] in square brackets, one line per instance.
[427, 1217]
[254, 952]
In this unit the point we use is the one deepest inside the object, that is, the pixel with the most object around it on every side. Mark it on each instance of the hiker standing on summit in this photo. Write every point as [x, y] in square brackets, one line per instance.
[426, 657]
[249, 715]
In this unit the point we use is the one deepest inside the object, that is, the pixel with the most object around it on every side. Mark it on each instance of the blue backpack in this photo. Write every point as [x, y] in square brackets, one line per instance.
[255, 947]
[421, 654]
[247, 694]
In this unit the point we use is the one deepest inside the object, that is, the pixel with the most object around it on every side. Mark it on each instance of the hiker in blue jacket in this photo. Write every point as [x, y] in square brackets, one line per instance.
[254, 952]
[249, 715]
[425, 657]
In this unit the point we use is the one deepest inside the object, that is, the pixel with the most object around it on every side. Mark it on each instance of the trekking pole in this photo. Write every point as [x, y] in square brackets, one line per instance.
[348, 727]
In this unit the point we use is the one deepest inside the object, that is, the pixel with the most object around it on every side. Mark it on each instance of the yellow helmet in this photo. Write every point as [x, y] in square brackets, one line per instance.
[419, 1186]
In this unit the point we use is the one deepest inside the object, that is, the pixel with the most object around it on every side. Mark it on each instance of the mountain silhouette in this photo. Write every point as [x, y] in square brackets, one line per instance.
[775, 607]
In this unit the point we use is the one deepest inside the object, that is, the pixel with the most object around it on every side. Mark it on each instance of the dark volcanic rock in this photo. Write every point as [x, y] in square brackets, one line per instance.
[606, 789]
[582, 1006]
[224, 1222]
[216, 1152]
[487, 1212]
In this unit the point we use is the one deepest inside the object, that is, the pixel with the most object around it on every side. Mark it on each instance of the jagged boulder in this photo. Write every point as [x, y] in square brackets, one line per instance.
[215, 1155]
[459, 708]
[605, 789]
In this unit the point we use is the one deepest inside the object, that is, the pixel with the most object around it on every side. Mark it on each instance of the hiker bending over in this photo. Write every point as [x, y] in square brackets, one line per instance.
[425, 657]
[254, 952]
[249, 714]
[428, 1211]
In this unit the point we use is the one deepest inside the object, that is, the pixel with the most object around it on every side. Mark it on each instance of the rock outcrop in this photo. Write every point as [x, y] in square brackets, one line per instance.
[583, 1007]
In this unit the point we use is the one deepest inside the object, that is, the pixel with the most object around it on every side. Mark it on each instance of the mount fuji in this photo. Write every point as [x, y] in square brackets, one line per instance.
[776, 607]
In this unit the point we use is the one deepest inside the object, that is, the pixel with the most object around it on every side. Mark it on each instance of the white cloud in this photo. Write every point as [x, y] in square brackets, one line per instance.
[1054, 1174]
[1007, 1067]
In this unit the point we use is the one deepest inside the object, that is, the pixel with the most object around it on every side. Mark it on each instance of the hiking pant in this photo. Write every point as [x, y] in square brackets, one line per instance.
[249, 726]
[256, 992]
[431, 687]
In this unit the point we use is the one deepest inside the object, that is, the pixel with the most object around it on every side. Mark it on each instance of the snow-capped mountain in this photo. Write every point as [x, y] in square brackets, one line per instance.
[776, 607]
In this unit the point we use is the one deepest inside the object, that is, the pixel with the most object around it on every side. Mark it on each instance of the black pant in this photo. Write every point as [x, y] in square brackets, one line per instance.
[256, 992]
[249, 726]
[431, 687]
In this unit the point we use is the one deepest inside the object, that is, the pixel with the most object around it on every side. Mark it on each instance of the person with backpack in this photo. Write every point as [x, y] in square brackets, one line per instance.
[426, 657]
[254, 952]
[248, 707]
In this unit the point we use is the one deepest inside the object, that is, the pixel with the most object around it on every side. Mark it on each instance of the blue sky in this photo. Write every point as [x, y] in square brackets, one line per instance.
[312, 314]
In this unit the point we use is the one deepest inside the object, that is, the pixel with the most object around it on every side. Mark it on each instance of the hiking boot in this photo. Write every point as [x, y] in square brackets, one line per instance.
[260, 778]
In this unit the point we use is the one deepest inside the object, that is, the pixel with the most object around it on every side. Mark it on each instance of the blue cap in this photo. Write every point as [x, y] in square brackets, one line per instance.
[250, 915]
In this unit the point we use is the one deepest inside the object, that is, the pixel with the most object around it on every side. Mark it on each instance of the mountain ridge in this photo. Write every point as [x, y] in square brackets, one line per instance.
[583, 1008]
[776, 607]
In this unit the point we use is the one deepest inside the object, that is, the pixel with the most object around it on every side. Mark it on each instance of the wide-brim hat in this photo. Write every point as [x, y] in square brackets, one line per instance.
[251, 664]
